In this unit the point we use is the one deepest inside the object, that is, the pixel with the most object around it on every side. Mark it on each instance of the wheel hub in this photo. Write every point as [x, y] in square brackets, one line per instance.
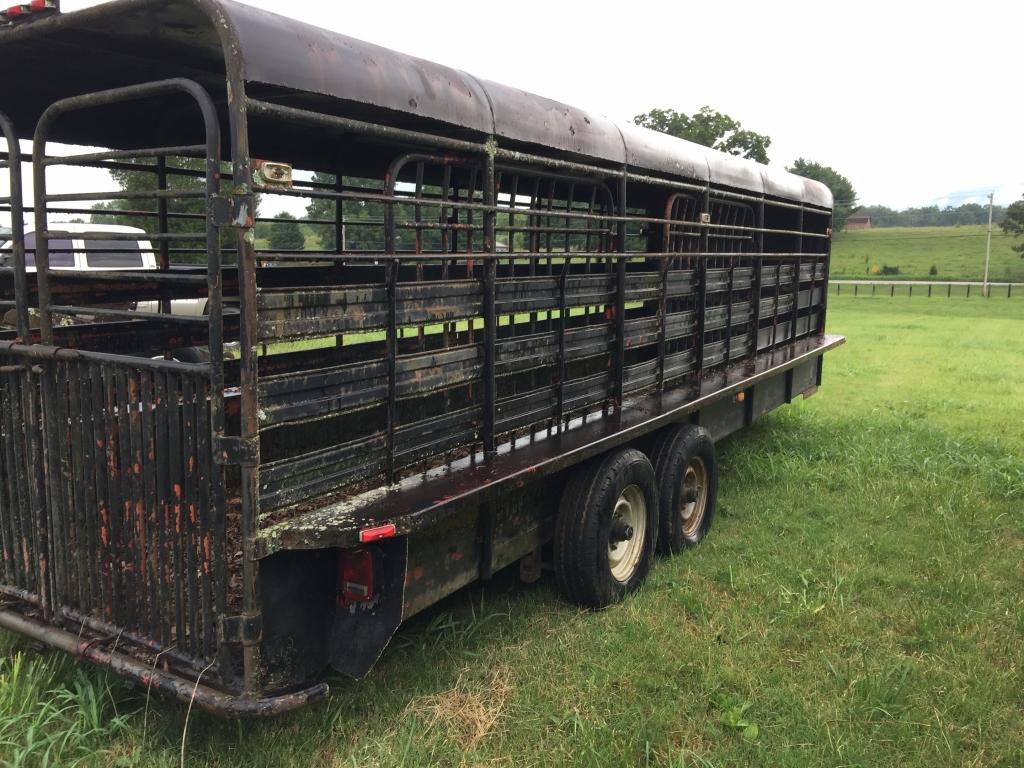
[694, 496]
[627, 533]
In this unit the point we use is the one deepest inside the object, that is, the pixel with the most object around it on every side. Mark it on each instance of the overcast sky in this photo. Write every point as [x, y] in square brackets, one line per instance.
[916, 102]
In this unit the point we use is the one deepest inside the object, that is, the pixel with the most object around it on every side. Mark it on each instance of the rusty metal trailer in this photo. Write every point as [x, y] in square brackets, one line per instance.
[521, 329]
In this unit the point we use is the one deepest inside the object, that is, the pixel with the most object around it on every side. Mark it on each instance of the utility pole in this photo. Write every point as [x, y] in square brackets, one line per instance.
[988, 247]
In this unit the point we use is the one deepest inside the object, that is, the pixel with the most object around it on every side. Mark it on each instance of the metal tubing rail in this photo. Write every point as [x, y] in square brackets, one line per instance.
[195, 150]
[153, 194]
[148, 676]
[382, 197]
[16, 205]
[44, 353]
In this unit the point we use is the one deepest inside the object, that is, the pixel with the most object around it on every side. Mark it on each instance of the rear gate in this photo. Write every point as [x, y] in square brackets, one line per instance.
[111, 506]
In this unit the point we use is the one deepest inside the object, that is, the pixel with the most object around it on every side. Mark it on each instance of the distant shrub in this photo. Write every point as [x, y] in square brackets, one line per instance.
[887, 270]
[933, 271]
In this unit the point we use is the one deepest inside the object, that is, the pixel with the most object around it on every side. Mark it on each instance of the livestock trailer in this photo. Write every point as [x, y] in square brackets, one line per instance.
[510, 333]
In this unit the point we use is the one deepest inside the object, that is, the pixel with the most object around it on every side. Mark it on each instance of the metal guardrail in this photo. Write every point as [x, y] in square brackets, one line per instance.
[928, 287]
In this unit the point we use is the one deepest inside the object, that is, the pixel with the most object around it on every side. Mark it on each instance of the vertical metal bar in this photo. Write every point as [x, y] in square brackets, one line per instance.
[163, 224]
[392, 351]
[209, 553]
[29, 504]
[728, 311]
[188, 496]
[82, 506]
[165, 561]
[42, 256]
[114, 508]
[8, 483]
[137, 512]
[15, 487]
[795, 313]
[702, 296]
[17, 227]
[620, 292]
[124, 512]
[755, 288]
[176, 523]
[59, 460]
[799, 263]
[339, 213]
[490, 315]
[562, 312]
[109, 582]
[150, 512]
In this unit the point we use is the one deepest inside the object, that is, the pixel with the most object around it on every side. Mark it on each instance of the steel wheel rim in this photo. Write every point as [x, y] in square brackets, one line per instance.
[693, 496]
[624, 554]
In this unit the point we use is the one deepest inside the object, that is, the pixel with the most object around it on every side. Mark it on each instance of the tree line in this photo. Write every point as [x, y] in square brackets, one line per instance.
[931, 215]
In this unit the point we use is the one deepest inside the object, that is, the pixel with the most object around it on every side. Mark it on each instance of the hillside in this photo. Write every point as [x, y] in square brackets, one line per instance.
[957, 253]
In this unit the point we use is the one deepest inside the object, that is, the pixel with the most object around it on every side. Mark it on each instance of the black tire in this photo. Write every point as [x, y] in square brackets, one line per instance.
[684, 462]
[584, 552]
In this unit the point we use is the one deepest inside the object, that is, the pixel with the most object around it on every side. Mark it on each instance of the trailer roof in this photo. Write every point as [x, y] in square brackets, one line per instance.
[305, 65]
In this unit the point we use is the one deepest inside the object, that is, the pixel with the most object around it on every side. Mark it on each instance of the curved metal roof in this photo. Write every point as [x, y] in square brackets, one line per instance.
[301, 60]
[284, 52]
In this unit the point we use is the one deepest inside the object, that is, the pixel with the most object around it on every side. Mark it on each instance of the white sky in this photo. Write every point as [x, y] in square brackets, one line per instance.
[918, 103]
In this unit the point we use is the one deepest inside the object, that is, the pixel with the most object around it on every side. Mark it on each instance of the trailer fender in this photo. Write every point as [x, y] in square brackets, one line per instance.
[361, 631]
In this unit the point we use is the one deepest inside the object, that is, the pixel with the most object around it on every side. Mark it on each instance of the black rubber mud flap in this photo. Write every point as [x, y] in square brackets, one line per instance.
[360, 633]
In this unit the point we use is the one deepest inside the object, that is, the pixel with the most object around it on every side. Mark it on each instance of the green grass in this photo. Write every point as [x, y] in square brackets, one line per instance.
[957, 253]
[858, 603]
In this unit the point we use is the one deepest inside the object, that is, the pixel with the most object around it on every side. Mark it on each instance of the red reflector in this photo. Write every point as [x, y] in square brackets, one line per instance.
[355, 577]
[376, 534]
[14, 11]
[39, 5]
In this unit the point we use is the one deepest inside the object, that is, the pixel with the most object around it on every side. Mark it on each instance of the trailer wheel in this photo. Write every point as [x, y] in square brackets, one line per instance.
[684, 463]
[606, 529]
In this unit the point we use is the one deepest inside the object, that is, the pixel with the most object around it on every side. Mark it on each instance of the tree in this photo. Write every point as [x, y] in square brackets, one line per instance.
[285, 234]
[194, 207]
[1013, 224]
[845, 197]
[710, 128]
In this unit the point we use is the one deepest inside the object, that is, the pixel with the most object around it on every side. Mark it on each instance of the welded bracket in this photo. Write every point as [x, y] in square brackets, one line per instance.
[245, 629]
[237, 210]
[236, 451]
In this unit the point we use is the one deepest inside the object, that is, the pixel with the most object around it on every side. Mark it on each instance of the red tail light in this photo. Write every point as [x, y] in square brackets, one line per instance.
[23, 10]
[355, 577]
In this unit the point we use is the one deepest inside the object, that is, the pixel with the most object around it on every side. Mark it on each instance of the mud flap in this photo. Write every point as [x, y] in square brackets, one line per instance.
[361, 632]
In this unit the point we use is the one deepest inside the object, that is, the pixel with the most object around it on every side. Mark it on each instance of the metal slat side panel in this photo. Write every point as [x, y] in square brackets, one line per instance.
[120, 443]
[589, 302]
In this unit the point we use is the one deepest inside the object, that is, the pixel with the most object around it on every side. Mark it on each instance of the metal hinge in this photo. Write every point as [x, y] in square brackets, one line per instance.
[233, 211]
[240, 630]
[236, 451]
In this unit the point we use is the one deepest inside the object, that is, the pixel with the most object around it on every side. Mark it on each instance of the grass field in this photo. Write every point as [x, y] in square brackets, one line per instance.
[858, 603]
[957, 253]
